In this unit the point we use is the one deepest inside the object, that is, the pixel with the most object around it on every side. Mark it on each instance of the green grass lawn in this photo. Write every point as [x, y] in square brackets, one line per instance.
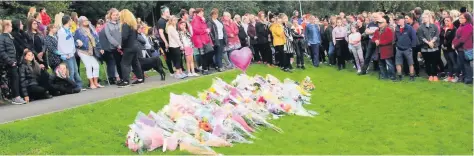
[358, 115]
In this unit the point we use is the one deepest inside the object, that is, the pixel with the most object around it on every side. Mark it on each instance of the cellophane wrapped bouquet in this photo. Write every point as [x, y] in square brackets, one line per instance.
[220, 116]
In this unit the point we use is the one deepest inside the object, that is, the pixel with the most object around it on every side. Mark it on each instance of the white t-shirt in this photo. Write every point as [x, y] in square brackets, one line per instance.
[220, 29]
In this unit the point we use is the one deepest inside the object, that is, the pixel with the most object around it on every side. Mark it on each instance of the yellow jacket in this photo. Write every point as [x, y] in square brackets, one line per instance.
[73, 27]
[278, 34]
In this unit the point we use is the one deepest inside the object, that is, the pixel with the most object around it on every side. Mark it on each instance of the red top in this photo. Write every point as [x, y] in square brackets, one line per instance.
[232, 32]
[385, 42]
[45, 19]
[200, 35]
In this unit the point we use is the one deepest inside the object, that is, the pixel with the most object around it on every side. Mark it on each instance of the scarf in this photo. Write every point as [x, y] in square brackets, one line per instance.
[91, 43]
[68, 32]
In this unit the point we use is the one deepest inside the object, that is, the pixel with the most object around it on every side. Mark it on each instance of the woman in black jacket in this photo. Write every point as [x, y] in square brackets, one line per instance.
[243, 27]
[447, 35]
[263, 44]
[20, 39]
[130, 49]
[61, 83]
[8, 59]
[35, 40]
[298, 42]
[34, 79]
[218, 37]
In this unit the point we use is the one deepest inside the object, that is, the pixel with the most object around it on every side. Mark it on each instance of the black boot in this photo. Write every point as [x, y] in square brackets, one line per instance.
[412, 78]
[113, 80]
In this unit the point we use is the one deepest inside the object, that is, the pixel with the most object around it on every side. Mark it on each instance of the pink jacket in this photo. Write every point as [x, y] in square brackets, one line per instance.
[200, 35]
[463, 39]
[232, 32]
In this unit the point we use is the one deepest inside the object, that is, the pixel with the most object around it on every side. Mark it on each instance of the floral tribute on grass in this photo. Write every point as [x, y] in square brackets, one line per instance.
[220, 116]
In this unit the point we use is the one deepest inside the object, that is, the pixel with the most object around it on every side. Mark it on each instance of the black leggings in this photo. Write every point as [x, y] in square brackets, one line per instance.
[175, 56]
[283, 58]
[299, 50]
[431, 61]
[14, 81]
[130, 60]
[265, 51]
[37, 92]
[341, 50]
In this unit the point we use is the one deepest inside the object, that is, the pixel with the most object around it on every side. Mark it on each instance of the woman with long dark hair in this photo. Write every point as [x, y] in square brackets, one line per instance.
[130, 49]
[34, 79]
[36, 40]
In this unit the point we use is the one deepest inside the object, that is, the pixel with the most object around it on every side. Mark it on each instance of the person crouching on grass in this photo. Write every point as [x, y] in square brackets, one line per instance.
[383, 38]
[31, 74]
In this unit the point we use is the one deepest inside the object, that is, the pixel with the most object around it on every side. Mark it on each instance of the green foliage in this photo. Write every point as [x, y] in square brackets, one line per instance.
[19, 9]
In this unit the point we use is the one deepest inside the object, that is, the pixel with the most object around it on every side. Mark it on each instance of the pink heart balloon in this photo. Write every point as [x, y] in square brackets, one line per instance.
[241, 58]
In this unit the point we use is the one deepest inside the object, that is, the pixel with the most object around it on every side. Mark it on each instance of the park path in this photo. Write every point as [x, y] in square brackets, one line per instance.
[10, 113]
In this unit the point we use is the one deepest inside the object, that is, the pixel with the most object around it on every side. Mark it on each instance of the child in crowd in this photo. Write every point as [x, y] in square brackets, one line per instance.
[185, 38]
[356, 48]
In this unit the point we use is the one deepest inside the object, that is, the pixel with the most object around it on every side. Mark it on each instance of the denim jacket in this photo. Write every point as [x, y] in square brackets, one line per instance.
[80, 35]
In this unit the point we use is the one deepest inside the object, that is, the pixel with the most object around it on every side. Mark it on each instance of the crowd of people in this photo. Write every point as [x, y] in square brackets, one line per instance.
[190, 42]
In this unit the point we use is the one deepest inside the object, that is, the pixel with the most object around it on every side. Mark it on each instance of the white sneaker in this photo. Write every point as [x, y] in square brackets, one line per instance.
[354, 67]
[358, 71]
[196, 74]
[455, 79]
[190, 75]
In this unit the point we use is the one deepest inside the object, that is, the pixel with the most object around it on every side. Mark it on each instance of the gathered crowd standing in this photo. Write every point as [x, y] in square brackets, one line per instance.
[41, 57]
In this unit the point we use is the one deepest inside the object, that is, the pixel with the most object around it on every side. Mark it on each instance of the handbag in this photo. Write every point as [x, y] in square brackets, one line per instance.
[207, 48]
[468, 54]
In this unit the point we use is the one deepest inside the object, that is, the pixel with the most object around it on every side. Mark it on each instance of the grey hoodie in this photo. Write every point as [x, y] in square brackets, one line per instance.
[113, 34]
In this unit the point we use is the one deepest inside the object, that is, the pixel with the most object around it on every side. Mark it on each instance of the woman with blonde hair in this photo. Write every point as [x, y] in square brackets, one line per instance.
[31, 12]
[58, 19]
[130, 49]
[112, 45]
[88, 48]
[455, 15]
[175, 46]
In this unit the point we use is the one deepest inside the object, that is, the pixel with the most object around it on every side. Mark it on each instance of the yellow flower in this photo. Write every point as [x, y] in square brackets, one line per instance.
[212, 90]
